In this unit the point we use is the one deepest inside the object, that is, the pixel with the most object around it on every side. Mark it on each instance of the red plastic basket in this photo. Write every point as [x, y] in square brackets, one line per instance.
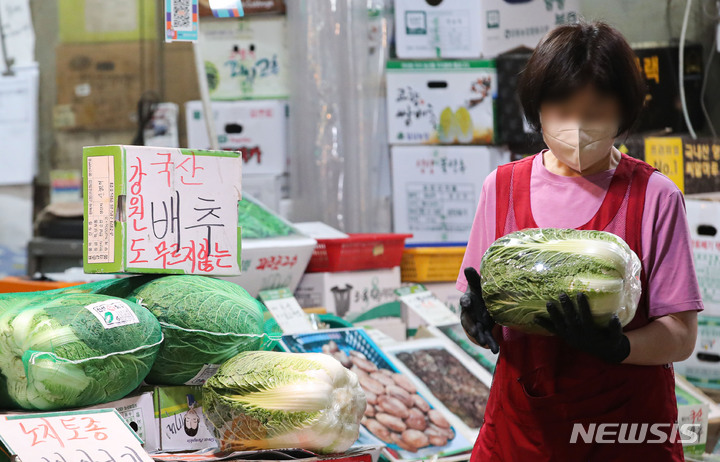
[358, 252]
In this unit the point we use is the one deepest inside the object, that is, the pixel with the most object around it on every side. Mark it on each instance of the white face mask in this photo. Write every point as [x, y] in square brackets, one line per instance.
[579, 145]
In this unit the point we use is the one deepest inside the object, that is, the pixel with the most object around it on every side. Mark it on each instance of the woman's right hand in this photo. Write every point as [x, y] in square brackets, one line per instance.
[474, 315]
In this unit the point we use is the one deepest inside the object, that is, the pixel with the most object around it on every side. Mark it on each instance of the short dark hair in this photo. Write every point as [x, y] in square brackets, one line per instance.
[572, 56]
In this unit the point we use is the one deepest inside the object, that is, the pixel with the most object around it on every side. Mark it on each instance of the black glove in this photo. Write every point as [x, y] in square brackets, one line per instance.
[474, 315]
[576, 326]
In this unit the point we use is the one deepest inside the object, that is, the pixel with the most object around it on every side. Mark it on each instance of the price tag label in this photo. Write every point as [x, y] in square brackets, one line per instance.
[429, 308]
[71, 436]
[666, 155]
[286, 310]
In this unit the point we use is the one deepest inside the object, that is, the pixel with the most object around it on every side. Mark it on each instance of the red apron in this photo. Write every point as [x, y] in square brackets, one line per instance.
[542, 387]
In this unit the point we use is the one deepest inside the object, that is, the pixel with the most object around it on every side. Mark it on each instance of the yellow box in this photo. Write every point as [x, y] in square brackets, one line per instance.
[431, 264]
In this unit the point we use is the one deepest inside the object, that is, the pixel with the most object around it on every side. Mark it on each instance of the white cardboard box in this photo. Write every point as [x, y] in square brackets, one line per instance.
[245, 59]
[258, 129]
[436, 189]
[702, 368]
[274, 262]
[349, 292]
[15, 232]
[441, 102]
[162, 210]
[266, 188]
[474, 28]
[704, 221]
[139, 413]
[447, 293]
[180, 419]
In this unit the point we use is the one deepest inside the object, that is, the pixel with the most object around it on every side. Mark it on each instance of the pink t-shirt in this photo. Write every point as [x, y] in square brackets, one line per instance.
[569, 202]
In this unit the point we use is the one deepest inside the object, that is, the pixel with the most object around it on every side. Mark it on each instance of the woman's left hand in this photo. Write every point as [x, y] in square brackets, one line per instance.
[574, 323]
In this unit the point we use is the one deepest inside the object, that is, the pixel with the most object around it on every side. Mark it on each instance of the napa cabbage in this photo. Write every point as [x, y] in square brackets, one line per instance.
[205, 322]
[524, 270]
[68, 350]
[270, 400]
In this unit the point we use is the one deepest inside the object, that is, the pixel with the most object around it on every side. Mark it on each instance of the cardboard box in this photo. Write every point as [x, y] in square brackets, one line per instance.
[139, 413]
[704, 222]
[474, 29]
[99, 85]
[246, 59]
[257, 129]
[694, 165]
[349, 292]
[447, 293]
[93, 21]
[274, 262]
[180, 419]
[693, 412]
[441, 102]
[436, 190]
[159, 210]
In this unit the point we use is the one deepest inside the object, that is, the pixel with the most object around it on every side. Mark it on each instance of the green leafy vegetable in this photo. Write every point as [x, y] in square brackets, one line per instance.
[204, 320]
[258, 222]
[56, 353]
[270, 400]
[524, 270]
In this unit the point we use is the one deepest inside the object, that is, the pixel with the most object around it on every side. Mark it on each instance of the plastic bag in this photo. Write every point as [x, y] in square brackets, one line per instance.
[524, 270]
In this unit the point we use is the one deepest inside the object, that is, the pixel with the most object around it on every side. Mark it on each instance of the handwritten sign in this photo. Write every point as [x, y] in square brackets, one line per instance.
[286, 310]
[80, 436]
[180, 215]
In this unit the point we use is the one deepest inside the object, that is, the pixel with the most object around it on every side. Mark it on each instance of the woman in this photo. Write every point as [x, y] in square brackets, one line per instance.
[582, 88]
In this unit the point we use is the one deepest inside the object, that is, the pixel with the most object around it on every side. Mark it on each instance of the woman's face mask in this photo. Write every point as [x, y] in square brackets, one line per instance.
[579, 145]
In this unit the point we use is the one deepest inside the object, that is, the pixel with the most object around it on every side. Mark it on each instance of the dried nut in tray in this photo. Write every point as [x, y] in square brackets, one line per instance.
[404, 383]
[398, 440]
[364, 364]
[391, 422]
[383, 378]
[371, 397]
[438, 419]
[420, 403]
[398, 393]
[415, 438]
[393, 406]
[378, 429]
[439, 441]
[370, 410]
[416, 420]
[372, 385]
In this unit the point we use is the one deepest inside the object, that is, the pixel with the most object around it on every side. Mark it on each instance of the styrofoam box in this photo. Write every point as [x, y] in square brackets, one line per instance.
[441, 102]
[348, 292]
[258, 129]
[436, 189]
[139, 413]
[274, 262]
[474, 28]
[704, 221]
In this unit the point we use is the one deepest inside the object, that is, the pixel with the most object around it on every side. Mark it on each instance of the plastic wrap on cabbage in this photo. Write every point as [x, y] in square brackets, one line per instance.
[270, 400]
[523, 270]
[205, 322]
[73, 350]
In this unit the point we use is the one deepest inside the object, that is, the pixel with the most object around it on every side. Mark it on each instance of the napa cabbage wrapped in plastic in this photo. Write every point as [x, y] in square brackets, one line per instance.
[524, 270]
[68, 350]
[270, 400]
[205, 322]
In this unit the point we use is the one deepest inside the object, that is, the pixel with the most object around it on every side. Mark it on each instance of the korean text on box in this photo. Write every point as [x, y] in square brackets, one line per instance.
[161, 210]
